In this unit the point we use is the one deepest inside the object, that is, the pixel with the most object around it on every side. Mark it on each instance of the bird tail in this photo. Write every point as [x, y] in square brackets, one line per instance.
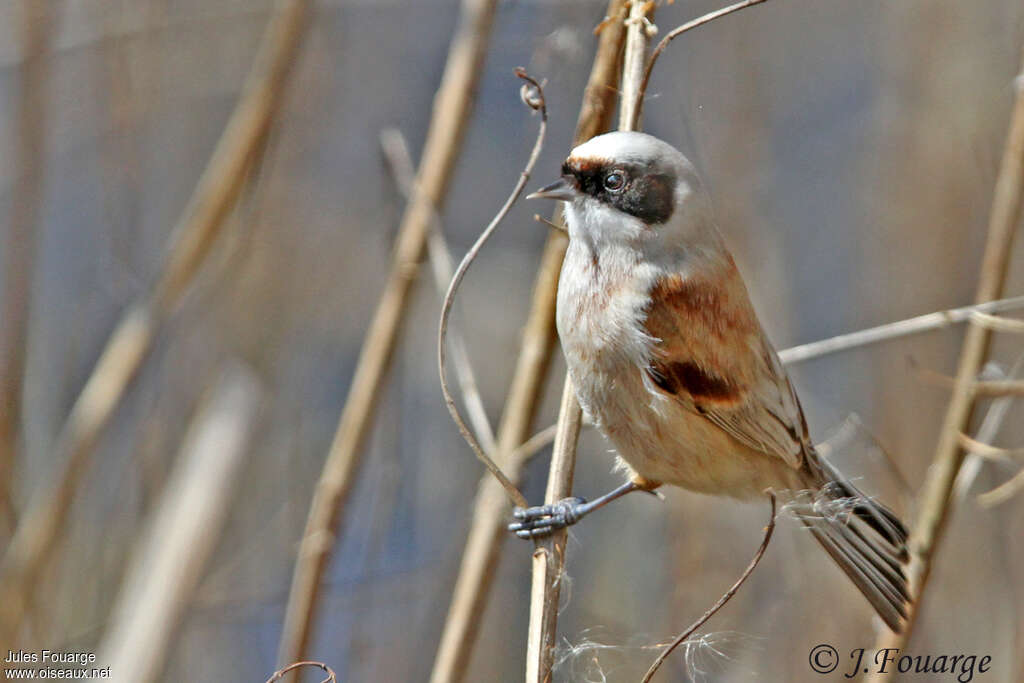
[866, 540]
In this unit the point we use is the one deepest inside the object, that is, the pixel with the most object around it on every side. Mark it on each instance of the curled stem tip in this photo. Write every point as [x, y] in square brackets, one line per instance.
[672, 35]
[532, 94]
[331, 676]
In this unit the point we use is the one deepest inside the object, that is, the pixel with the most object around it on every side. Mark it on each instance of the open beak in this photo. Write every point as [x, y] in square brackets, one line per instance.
[562, 189]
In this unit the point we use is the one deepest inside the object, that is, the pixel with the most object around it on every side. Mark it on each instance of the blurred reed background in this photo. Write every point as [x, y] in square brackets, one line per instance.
[851, 149]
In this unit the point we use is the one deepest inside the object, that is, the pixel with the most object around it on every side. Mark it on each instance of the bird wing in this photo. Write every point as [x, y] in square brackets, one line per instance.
[712, 356]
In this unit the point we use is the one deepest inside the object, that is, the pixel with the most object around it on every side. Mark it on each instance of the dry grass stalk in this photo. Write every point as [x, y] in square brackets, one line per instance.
[938, 486]
[29, 125]
[280, 673]
[490, 512]
[396, 152]
[985, 450]
[549, 552]
[638, 105]
[997, 411]
[452, 106]
[1003, 492]
[201, 222]
[168, 563]
[997, 323]
[532, 95]
[726, 597]
[987, 388]
[901, 328]
[1007, 387]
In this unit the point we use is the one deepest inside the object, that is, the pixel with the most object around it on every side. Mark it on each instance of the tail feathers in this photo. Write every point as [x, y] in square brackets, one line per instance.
[866, 540]
[877, 516]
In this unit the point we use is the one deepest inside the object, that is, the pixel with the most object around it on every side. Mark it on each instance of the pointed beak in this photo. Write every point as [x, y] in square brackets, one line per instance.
[563, 189]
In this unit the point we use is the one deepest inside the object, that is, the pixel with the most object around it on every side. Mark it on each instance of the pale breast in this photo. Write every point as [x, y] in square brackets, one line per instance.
[602, 308]
[601, 305]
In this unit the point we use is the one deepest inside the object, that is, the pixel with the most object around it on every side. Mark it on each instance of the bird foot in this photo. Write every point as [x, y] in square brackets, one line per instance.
[542, 520]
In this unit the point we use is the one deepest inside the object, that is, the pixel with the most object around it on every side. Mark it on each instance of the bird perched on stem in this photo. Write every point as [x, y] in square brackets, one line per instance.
[670, 362]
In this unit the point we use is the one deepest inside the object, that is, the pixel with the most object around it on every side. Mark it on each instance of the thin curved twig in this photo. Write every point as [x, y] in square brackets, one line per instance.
[279, 674]
[1003, 492]
[988, 451]
[987, 432]
[685, 635]
[396, 153]
[490, 508]
[533, 97]
[669, 37]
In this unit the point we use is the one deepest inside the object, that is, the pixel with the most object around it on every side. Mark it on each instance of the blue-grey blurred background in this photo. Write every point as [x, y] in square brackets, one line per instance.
[851, 149]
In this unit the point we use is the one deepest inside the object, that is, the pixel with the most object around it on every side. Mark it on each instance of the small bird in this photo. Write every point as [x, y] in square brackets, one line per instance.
[670, 362]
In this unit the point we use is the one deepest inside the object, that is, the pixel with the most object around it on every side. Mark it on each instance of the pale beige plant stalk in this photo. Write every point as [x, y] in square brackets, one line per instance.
[452, 106]
[934, 506]
[200, 224]
[549, 553]
[29, 123]
[396, 151]
[532, 94]
[179, 540]
[491, 508]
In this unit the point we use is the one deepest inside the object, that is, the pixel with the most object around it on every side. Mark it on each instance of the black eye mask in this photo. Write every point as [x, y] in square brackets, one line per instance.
[650, 196]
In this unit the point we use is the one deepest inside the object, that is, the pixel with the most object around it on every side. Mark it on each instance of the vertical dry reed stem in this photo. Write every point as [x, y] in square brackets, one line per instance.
[938, 486]
[200, 224]
[491, 507]
[452, 106]
[188, 520]
[20, 244]
[549, 553]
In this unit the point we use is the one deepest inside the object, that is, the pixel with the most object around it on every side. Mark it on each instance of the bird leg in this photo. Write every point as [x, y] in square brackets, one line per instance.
[542, 520]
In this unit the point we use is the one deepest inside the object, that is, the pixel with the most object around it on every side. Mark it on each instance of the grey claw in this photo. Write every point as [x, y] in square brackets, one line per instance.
[542, 520]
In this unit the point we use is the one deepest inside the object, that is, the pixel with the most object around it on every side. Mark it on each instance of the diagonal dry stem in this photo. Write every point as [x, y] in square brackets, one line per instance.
[638, 104]
[935, 500]
[452, 106]
[396, 151]
[491, 507]
[533, 96]
[988, 451]
[726, 597]
[161, 581]
[29, 124]
[900, 328]
[987, 432]
[201, 222]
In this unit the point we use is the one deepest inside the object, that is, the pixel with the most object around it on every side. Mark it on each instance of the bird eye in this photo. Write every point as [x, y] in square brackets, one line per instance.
[614, 181]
